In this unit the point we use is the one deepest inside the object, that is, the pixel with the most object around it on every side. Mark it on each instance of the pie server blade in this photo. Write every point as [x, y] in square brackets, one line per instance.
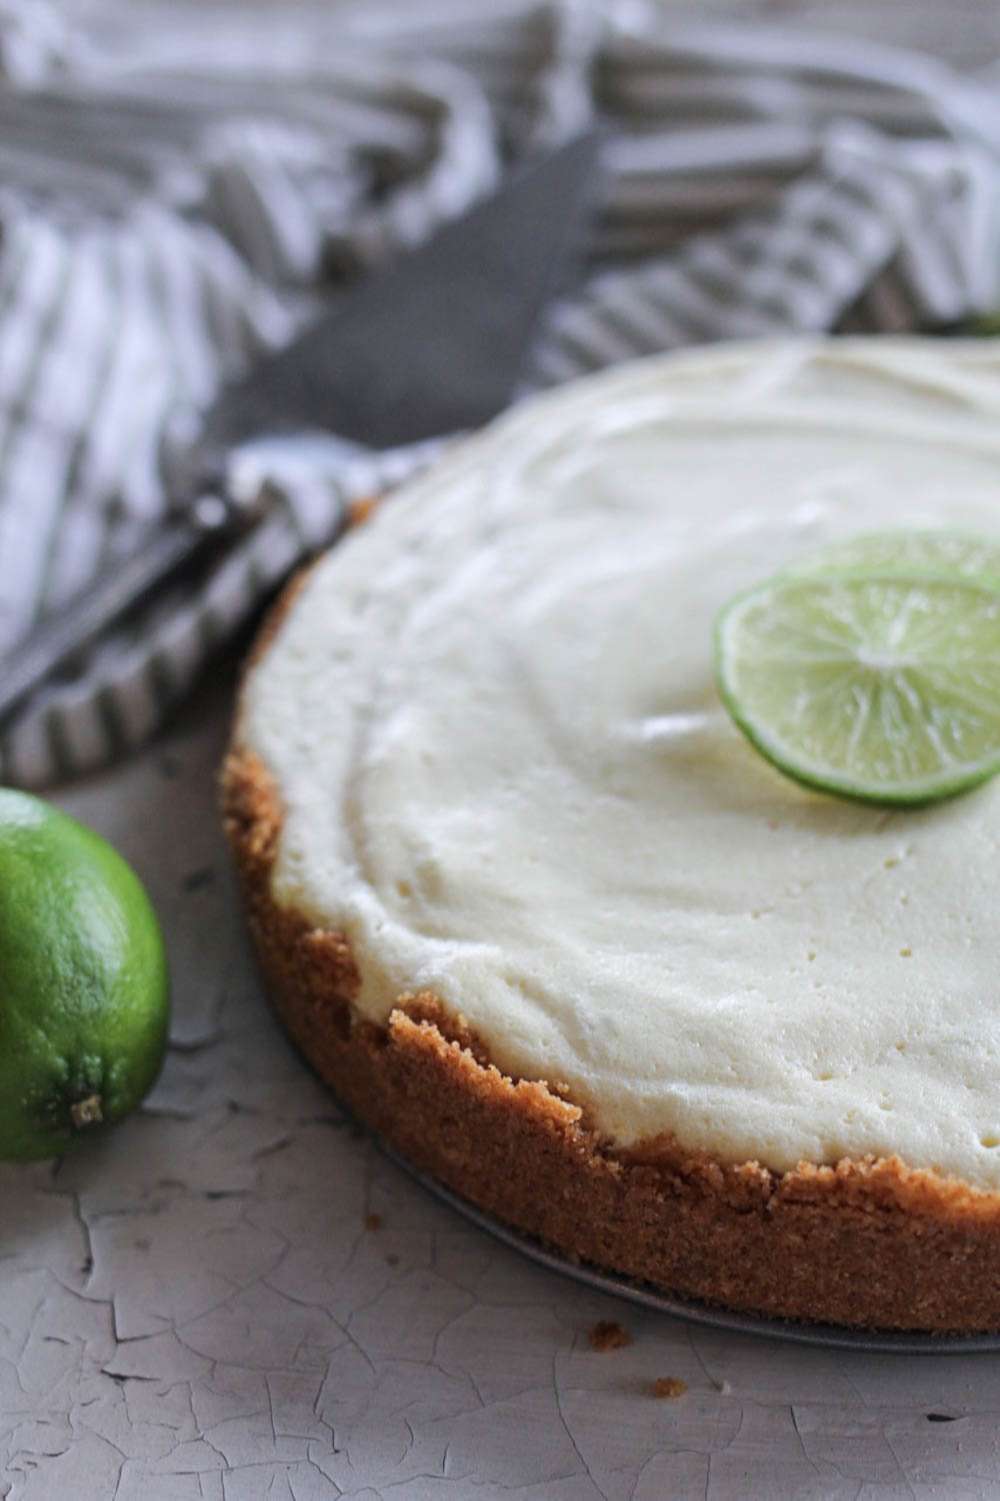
[432, 345]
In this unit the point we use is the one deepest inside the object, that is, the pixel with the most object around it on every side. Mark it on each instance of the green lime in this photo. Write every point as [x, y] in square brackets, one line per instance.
[982, 326]
[908, 552]
[881, 688]
[83, 981]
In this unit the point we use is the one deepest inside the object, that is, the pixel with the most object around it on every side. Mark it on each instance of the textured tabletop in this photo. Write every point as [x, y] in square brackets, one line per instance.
[236, 1296]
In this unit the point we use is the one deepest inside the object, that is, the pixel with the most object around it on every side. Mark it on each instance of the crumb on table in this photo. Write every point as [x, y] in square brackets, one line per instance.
[608, 1335]
[669, 1388]
[363, 508]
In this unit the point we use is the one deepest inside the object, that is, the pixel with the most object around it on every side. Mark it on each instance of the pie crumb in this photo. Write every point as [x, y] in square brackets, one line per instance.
[373, 1222]
[669, 1388]
[607, 1335]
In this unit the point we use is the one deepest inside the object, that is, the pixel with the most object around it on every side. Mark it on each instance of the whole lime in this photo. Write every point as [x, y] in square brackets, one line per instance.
[84, 995]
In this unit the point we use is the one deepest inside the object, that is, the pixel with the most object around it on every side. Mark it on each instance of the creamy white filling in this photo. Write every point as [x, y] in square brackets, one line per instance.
[508, 777]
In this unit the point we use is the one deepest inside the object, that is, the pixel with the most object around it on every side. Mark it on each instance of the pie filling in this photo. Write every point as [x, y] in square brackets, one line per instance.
[508, 779]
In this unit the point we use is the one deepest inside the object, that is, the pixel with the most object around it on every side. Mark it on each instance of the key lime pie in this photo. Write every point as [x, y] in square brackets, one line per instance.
[548, 920]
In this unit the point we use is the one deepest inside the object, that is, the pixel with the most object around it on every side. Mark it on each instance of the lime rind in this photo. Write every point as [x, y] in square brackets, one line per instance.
[881, 688]
[921, 553]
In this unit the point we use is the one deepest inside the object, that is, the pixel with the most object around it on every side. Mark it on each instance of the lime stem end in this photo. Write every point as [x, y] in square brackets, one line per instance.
[86, 1112]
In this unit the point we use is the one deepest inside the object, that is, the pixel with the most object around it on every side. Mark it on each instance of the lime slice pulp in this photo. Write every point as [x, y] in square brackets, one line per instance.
[872, 686]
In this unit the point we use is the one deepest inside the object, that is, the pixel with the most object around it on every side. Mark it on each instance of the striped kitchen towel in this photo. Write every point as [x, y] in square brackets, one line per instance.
[182, 184]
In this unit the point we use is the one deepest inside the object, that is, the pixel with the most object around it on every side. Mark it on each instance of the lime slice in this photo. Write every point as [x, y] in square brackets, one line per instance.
[880, 688]
[908, 552]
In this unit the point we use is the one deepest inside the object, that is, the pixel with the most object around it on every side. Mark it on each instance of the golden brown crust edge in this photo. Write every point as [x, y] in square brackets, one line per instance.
[868, 1243]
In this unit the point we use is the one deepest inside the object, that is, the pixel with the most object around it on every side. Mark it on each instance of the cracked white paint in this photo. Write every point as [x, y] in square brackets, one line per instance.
[193, 1309]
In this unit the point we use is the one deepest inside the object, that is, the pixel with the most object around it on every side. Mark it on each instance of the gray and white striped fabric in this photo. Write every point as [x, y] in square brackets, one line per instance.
[183, 184]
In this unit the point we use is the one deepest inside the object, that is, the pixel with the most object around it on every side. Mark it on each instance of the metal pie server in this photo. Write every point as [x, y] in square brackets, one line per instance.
[433, 345]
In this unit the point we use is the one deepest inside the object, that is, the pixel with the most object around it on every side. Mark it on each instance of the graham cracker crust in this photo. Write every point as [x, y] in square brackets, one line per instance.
[866, 1243]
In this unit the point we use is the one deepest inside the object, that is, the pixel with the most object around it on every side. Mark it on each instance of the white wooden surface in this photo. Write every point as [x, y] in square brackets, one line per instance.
[194, 1307]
